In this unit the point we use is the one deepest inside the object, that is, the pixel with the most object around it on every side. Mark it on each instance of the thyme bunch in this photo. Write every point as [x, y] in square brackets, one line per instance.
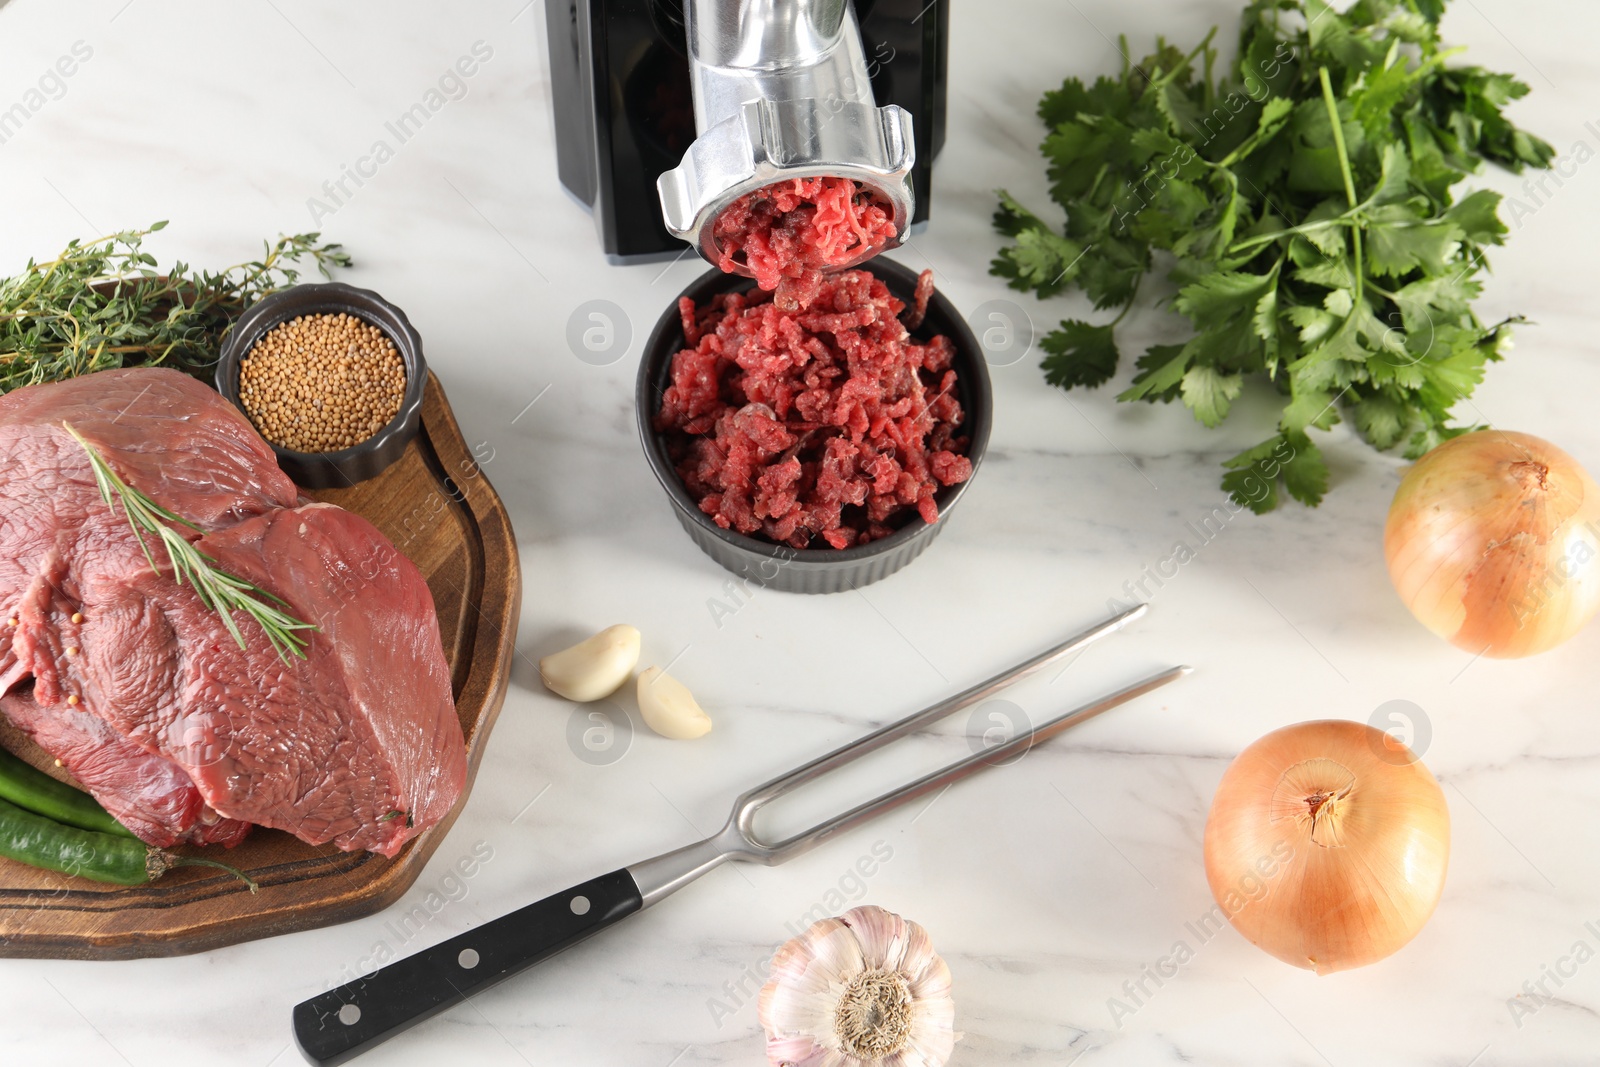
[103, 303]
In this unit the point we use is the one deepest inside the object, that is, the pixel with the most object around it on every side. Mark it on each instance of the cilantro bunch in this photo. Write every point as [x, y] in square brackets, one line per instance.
[1303, 200]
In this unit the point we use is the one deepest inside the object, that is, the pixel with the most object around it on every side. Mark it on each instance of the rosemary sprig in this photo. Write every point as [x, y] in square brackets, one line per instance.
[218, 590]
[102, 304]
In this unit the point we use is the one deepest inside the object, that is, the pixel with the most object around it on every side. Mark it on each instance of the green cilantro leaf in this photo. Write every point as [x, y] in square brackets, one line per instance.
[1209, 393]
[1078, 353]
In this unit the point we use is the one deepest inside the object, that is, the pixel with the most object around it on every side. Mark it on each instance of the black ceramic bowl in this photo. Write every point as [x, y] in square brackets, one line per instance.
[812, 570]
[322, 470]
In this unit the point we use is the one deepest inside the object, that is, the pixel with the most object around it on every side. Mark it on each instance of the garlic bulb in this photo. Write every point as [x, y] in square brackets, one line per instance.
[862, 990]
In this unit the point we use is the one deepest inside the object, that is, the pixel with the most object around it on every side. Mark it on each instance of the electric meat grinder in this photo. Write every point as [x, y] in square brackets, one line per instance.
[667, 111]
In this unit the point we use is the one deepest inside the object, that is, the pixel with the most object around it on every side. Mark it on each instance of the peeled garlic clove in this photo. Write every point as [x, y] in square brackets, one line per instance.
[593, 668]
[669, 708]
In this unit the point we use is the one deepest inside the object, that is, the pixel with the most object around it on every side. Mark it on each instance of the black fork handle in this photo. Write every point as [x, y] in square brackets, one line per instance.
[344, 1022]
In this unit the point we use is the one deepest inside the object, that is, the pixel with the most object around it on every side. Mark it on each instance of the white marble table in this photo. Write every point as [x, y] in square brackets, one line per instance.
[1047, 885]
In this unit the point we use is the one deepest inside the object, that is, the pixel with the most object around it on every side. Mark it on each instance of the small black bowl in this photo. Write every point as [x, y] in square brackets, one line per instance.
[812, 570]
[324, 470]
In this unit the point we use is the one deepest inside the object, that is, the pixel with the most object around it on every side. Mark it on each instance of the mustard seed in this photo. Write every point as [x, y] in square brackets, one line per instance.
[322, 383]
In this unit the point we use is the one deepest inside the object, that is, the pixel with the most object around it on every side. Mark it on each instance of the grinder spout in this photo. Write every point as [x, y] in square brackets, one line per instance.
[782, 90]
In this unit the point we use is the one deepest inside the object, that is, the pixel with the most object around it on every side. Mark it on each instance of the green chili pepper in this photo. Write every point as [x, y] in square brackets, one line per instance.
[35, 791]
[40, 842]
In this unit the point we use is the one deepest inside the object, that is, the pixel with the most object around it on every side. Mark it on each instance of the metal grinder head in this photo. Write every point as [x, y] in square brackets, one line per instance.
[782, 91]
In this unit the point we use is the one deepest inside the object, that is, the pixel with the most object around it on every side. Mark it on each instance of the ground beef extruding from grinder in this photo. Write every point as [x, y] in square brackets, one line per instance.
[789, 233]
[827, 426]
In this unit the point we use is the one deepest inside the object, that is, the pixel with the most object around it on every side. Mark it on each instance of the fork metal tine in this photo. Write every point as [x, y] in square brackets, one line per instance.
[745, 807]
[859, 814]
[660, 876]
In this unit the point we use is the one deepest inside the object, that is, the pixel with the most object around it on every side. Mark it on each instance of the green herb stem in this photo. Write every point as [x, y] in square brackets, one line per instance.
[218, 590]
[1359, 269]
[1132, 297]
[1290, 231]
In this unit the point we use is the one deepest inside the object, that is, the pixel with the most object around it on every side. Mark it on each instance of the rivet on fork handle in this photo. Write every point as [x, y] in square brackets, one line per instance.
[344, 1022]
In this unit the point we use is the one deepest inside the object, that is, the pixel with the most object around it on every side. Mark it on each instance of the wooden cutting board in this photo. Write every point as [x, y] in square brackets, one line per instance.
[438, 508]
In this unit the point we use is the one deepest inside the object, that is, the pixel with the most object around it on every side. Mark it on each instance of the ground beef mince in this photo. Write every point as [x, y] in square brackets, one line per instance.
[788, 234]
[828, 426]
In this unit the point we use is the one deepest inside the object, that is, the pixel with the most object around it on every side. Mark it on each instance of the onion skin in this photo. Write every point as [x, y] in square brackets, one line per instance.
[1352, 885]
[1492, 542]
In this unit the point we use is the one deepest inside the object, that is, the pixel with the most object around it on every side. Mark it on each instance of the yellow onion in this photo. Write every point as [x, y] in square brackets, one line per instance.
[1327, 844]
[1491, 542]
